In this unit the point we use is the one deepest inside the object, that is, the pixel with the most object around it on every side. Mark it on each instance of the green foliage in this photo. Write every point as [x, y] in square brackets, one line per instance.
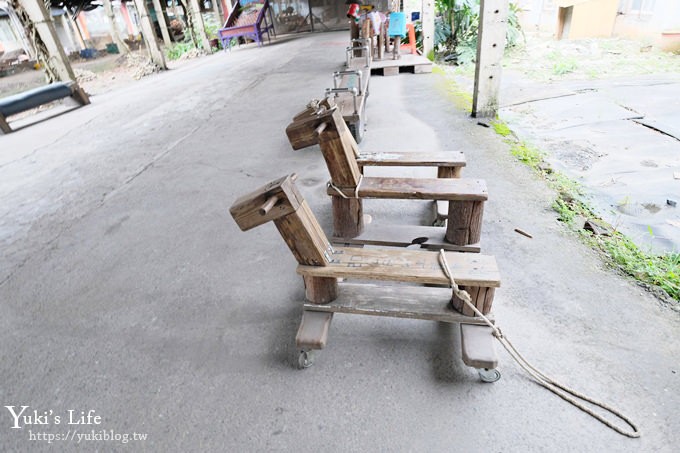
[662, 271]
[527, 154]
[178, 49]
[456, 29]
[565, 67]
[501, 128]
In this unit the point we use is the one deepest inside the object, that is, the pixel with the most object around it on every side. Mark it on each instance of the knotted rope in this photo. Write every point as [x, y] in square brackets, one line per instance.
[566, 393]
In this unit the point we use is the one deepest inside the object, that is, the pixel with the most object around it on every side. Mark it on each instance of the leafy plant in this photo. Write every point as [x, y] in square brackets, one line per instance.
[457, 26]
[178, 49]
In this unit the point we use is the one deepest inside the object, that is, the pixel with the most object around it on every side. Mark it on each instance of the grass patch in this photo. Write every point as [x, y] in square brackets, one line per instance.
[501, 128]
[460, 97]
[661, 271]
[178, 49]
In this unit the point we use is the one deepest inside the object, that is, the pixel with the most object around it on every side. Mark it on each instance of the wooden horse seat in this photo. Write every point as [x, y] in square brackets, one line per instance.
[323, 124]
[321, 265]
[418, 188]
[449, 164]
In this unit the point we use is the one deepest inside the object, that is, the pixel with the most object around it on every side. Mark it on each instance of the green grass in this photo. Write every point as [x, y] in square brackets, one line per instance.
[501, 128]
[178, 49]
[662, 271]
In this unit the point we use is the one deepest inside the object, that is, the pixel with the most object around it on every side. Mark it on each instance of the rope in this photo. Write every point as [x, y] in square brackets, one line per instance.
[566, 393]
[330, 184]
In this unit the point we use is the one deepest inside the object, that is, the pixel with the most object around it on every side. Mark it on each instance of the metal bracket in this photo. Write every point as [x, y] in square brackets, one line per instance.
[352, 90]
[338, 74]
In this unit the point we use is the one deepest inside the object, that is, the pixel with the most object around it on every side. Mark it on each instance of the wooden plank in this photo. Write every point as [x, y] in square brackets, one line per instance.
[478, 346]
[405, 60]
[461, 189]
[390, 71]
[313, 330]
[413, 159]
[403, 235]
[410, 302]
[415, 266]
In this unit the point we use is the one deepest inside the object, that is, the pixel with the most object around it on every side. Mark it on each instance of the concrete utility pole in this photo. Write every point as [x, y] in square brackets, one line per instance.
[50, 51]
[199, 26]
[216, 10]
[161, 23]
[18, 28]
[149, 37]
[108, 9]
[428, 26]
[493, 21]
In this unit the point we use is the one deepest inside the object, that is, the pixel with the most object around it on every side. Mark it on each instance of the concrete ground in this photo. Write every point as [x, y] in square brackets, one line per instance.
[620, 138]
[127, 289]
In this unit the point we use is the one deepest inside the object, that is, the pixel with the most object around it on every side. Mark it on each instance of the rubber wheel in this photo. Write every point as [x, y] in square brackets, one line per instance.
[489, 376]
[305, 360]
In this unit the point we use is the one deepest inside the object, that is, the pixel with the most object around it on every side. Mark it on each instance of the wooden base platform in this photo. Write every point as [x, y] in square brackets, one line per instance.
[427, 237]
[415, 64]
[432, 304]
[398, 301]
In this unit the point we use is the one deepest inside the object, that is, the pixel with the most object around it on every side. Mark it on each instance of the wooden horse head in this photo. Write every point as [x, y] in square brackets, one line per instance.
[281, 202]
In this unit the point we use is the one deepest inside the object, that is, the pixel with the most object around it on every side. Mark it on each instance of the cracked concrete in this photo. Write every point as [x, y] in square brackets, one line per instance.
[128, 289]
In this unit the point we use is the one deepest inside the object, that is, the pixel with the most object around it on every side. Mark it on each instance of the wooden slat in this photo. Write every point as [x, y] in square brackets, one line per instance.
[414, 266]
[405, 60]
[313, 330]
[420, 188]
[405, 235]
[477, 346]
[413, 159]
[345, 102]
[395, 302]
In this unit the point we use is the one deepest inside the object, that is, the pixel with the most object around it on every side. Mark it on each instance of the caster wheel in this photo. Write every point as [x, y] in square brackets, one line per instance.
[306, 359]
[487, 375]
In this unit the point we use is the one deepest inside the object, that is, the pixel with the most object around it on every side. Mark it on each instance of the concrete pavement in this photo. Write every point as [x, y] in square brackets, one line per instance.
[126, 288]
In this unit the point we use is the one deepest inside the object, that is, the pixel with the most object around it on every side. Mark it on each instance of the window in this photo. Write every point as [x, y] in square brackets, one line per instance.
[641, 6]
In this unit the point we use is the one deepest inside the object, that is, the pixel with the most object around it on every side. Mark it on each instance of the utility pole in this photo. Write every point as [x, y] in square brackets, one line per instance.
[149, 37]
[50, 52]
[161, 23]
[115, 36]
[493, 21]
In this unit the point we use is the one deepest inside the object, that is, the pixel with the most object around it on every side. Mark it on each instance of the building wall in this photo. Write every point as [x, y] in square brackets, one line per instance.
[657, 22]
[10, 42]
[593, 19]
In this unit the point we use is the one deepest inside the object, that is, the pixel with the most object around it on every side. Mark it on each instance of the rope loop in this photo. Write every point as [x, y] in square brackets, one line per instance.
[330, 185]
[566, 393]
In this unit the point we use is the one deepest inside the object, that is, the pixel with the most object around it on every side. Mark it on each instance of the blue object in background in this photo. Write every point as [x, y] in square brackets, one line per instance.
[88, 53]
[397, 25]
[415, 15]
